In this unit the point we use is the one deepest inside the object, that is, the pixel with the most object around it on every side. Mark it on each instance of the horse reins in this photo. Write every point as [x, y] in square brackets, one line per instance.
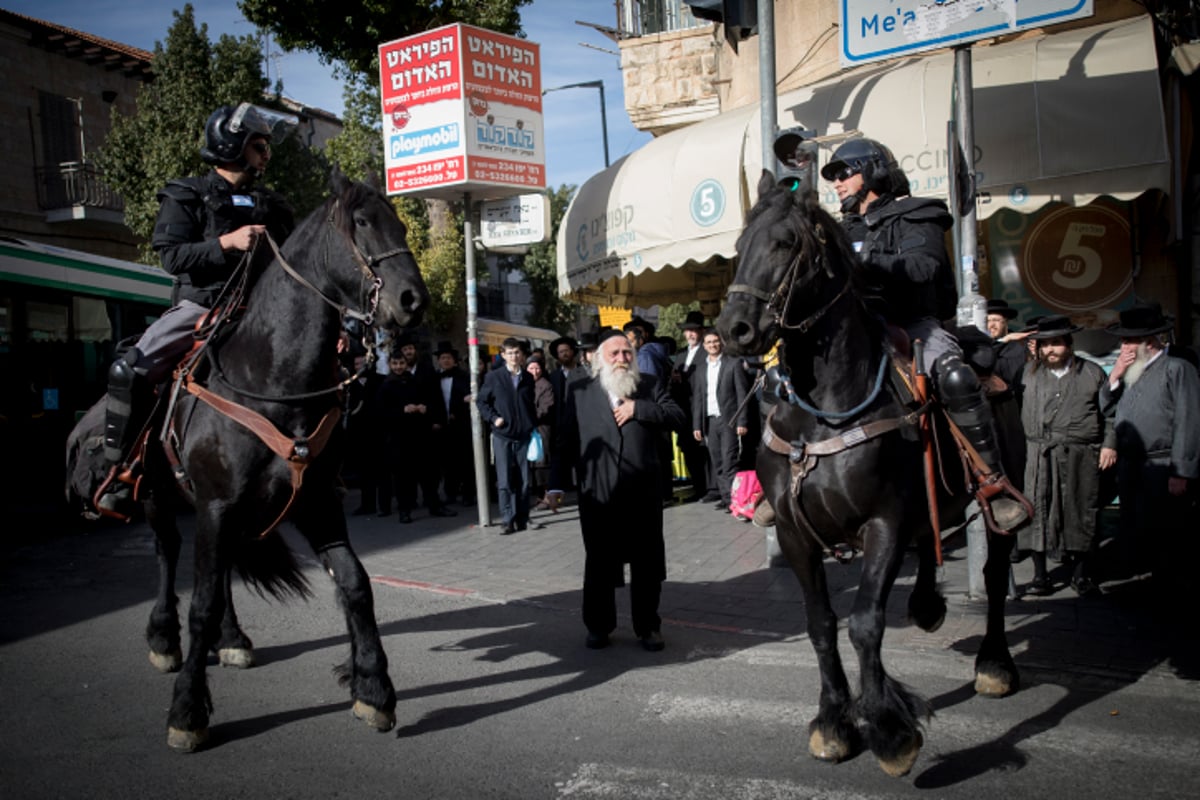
[297, 452]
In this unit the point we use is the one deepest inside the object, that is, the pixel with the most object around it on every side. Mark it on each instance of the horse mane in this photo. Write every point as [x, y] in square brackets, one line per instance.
[815, 231]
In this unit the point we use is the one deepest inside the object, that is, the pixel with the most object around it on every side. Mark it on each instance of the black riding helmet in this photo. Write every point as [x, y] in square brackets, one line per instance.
[874, 161]
[229, 127]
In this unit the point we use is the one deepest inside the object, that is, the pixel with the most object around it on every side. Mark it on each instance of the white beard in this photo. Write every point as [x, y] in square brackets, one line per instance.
[617, 381]
[1135, 370]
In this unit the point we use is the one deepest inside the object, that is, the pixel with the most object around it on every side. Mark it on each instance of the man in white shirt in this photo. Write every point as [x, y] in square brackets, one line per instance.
[719, 412]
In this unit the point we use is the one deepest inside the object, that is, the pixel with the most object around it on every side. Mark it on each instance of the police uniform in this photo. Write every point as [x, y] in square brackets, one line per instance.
[193, 214]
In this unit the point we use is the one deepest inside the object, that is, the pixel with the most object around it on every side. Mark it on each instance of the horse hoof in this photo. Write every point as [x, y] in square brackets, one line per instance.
[992, 685]
[240, 657]
[381, 721]
[186, 741]
[830, 749]
[900, 765]
[167, 662]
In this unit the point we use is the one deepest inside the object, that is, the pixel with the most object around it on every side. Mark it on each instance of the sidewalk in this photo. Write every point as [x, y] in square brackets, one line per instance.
[718, 579]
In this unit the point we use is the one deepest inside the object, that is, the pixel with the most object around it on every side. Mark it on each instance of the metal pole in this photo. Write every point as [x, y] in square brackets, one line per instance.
[481, 476]
[766, 83]
[603, 121]
[603, 112]
[972, 308]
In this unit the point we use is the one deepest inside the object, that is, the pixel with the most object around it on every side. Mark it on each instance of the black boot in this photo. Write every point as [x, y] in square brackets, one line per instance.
[115, 496]
[969, 409]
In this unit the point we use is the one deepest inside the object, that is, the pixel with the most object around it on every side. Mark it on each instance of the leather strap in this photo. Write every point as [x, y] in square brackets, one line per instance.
[297, 452]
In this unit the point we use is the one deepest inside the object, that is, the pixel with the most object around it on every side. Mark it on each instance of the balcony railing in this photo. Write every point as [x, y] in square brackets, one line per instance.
[645, 17]
[72, 184]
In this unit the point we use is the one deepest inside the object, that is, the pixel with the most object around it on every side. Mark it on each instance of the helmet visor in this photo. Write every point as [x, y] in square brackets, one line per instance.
[258, 121]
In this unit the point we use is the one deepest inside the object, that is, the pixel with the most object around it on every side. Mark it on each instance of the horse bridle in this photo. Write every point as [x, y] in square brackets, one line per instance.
[371, 283]
[371, 286]
[780, 301]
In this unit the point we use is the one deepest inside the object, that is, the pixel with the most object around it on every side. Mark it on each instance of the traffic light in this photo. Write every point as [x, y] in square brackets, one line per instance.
[740, 17]
[796, 150]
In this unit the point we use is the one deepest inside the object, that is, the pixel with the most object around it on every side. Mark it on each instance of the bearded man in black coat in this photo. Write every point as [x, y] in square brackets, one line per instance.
[617, 417]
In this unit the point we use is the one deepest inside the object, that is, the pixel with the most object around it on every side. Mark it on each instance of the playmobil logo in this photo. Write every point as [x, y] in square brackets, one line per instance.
[416, 142]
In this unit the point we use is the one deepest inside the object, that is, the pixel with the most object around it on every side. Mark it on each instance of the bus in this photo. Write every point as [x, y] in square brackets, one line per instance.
[62, 313]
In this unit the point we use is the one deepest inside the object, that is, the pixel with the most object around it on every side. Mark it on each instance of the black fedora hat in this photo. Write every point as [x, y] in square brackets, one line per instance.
[589, 340]
[553, 348]
[644, 324]
[1143, 319]
[694, 321]
[1054, 326]
[1002, 308]
[445, 347]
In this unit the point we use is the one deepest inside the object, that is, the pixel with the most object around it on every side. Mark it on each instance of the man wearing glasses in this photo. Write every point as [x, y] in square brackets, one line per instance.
[206, 227]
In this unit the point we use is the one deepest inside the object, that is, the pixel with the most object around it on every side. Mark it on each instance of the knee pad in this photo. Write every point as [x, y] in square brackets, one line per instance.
[957, 383]
[121, 375]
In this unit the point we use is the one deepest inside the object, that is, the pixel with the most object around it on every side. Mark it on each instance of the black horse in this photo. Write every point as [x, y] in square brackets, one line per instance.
[277, 359]
[796, 281]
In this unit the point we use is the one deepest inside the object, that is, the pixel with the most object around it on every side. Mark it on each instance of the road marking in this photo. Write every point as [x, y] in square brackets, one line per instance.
[611, 781]
[949, 729]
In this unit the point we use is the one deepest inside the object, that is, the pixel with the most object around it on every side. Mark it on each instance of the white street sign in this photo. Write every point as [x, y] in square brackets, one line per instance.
[874, 30]
[524, 219]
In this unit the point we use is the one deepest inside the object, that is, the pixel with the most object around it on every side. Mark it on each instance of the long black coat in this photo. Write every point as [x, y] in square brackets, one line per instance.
[620, 495]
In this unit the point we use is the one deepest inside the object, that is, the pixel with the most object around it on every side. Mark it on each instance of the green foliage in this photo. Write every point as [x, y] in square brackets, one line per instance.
[540, 267]
[161, 141]
[350, 31]
[358, 149]
[671, 317]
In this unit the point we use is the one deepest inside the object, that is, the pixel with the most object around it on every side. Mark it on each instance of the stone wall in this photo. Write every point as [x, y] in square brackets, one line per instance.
[671, 78]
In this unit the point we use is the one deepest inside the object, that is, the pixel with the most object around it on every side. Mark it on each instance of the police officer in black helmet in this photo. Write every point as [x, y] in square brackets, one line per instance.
[901, 243]
[205, 227]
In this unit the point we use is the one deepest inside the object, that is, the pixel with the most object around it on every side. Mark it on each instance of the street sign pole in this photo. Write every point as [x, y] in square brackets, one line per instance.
[481, 476]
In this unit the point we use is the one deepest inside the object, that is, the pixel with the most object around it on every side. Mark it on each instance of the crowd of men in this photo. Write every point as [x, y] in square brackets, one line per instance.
[1139, 424]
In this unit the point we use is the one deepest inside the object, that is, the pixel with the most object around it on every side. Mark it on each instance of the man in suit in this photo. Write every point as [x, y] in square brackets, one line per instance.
[683, 376]
[719, 411]
[506, 405]
[364, 451]
[617, 418]
[452, 443]
[562, 461]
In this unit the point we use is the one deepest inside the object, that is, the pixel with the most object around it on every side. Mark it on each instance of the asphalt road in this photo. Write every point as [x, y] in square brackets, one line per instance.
[501, 699]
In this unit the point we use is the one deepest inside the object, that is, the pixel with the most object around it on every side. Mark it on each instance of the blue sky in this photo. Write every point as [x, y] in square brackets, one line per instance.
[574, 147]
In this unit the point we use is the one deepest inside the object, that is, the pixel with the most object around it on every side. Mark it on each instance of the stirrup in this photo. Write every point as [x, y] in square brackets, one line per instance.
[116, 496]
[764, 514]
[1004, 508]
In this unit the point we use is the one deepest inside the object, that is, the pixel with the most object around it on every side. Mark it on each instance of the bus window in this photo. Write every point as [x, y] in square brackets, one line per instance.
[46, 322]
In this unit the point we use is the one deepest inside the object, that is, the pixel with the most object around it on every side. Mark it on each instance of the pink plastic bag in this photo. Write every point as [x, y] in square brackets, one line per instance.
[745, 494]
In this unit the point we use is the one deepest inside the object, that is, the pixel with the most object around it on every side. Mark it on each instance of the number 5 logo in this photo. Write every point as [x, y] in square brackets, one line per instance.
[1079, 266]
[708, 203]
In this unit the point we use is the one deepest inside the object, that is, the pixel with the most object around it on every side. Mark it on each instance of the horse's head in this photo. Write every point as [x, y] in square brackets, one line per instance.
[788, 252]
[380, 274]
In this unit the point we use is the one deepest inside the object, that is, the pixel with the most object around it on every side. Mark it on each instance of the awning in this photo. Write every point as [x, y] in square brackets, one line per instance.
[1067, 116]
[677, 201]
[493, 332]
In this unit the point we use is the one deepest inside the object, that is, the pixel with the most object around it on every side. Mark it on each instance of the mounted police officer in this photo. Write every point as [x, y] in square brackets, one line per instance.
[206, 226]
[900, 240]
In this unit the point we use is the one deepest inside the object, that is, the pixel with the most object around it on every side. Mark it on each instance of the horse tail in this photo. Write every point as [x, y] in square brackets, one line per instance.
[267, 565]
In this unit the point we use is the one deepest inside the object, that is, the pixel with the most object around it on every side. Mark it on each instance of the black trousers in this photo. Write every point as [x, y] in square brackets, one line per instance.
[600, 598]
[722, 443]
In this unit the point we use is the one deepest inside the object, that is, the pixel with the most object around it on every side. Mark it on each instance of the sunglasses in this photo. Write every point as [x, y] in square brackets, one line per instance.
[262, 148]
[845, 173]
